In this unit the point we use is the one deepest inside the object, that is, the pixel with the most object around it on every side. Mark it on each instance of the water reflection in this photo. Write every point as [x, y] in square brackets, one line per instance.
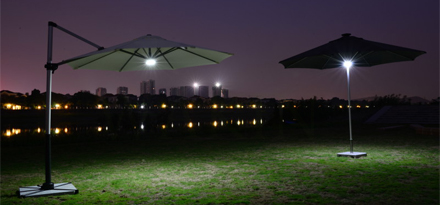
[141, 127]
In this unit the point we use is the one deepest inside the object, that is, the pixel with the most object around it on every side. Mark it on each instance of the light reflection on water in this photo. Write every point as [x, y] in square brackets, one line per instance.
[9, 132]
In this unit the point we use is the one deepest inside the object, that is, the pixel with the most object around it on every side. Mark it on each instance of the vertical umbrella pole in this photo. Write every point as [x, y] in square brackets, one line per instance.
[349, 110]
[50, 68]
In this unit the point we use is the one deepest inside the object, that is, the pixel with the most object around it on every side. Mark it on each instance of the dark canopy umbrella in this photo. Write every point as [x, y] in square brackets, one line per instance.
[350, 51]
[362, 53]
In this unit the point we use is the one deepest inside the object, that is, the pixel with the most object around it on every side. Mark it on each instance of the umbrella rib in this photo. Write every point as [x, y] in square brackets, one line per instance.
[156, 52]
[145, 52]
[95, 60]
[199, 55]
[162, 54]
[167, 51]
[135, 52]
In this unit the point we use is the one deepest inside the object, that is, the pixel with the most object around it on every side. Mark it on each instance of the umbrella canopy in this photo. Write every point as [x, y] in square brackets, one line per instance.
[362, 53]
[350, 51]
[132, 55]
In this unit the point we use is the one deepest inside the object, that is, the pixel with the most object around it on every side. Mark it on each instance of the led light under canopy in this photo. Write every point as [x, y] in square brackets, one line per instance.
[150, 62]
[348, 64]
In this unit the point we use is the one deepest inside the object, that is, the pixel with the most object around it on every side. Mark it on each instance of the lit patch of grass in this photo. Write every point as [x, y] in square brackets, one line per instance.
[295, 167]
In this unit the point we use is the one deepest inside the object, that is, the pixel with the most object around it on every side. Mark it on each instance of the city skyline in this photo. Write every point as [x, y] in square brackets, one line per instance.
[268, 33]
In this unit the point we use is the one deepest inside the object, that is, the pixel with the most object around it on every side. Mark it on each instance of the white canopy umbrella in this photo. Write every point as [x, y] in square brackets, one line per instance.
[144, 53]
[155, 52]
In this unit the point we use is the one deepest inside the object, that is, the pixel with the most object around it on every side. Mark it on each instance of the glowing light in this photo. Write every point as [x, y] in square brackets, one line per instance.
[99, 106]
[57, 130]
[217, 84]
[99, 129]
[8, 133]
[215, 106]
[254, 122]
[196, 85]
[66, 107]
[238, 106]
[57, 106]
[164, 106]
[215, 124]
[190, 106]
[254, 106]
[150, 62]
[282, 106]
[190, 125]
[358, 106]
[142, 106]
[38, 130]
[66, 130]
[142, 126]
[340, 106]
[164, 126]
[8, 106]
[39, 107]
[238, 123]
[348, 64]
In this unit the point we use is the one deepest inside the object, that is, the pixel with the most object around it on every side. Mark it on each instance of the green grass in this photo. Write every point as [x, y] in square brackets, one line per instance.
[293, 165]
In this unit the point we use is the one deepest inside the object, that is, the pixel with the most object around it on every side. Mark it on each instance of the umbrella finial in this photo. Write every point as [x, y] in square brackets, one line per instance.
[346, 34]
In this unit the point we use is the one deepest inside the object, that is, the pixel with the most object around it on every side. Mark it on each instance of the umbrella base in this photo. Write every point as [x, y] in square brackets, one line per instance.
[352, 154]
[36, 191]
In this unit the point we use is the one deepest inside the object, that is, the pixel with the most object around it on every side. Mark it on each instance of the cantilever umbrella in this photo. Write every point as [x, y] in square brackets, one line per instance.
[350, 51]
[144, 53]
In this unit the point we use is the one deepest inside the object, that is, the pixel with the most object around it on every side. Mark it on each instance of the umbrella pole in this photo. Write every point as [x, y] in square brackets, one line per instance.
[49, 66]
[48, 188]
[349, 110]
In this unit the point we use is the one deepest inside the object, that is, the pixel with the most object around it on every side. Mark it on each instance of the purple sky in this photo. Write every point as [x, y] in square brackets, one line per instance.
[259, 33]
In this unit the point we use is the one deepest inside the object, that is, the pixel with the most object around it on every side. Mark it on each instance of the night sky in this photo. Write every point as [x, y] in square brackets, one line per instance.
[258, 33]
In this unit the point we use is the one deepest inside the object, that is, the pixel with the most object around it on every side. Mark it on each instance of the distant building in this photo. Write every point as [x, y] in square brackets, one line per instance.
[174, 91]
[101, 91]
[186, 91]
[203, 91]
[163, 91]
[217, 91]
[225, 93]
[122, 90]
[148, 87]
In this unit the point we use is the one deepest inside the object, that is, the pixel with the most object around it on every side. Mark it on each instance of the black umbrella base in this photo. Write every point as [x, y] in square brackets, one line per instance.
[36, 191]
[352, 154]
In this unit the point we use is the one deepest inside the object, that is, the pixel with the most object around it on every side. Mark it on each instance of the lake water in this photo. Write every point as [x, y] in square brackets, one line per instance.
[16, 130]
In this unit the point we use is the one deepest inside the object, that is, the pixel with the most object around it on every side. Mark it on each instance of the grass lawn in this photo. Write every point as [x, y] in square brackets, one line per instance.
[289, 165]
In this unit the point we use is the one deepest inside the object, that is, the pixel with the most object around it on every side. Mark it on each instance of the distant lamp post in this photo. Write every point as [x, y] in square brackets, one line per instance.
[196, 88]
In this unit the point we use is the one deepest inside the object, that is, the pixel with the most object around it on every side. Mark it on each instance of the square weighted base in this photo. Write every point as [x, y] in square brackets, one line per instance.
[352, 154]
[36, 191]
